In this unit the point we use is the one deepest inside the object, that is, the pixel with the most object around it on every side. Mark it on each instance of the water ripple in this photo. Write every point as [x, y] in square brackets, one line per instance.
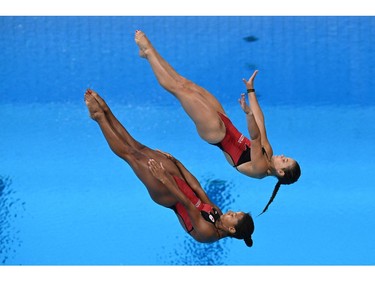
[190, 252]
[9, 212]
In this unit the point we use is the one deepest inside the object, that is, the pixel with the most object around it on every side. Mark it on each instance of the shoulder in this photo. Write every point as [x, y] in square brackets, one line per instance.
[205, 232]
[255, 169]
[205, 236]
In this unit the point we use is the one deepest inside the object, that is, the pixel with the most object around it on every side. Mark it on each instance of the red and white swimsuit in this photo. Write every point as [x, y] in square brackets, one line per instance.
[208, 212]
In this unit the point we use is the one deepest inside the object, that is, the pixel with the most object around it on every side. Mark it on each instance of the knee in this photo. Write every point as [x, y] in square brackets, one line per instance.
[177, 85]
[184, 83]
[123, 151]
[132, 155]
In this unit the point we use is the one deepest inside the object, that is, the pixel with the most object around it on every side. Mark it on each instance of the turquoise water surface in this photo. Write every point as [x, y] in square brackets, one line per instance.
[66, 199]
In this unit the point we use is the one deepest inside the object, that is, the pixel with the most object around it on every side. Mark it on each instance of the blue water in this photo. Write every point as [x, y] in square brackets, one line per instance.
[66, 199]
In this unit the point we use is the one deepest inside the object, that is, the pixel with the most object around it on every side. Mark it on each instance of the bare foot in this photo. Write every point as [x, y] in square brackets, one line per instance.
[93, 106]
[100, 100]
[143, 43]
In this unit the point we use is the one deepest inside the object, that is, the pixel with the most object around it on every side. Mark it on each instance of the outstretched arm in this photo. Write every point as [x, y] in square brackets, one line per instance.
[256, 153]
[258, 113]
[252, 125]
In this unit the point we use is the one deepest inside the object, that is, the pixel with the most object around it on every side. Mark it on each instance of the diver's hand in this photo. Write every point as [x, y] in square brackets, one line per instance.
[245, 107]
[157, 170]
[168, 155]
[250, 83]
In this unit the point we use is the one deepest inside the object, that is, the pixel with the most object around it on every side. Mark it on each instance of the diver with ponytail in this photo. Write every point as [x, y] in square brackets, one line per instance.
[285, 169]
[251, 156]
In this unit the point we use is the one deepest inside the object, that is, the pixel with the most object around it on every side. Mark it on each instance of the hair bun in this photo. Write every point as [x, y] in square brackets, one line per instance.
[249, 242]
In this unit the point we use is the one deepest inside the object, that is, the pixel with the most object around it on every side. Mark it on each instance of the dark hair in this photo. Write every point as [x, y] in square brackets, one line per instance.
[244, 229]
[291, 175]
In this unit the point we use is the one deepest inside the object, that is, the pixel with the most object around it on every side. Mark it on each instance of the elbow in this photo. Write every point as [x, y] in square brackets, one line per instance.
[195, 187]
[255, 136]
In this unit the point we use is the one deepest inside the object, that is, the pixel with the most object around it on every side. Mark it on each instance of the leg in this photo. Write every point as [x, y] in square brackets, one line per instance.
[157, 61]
[136, 159]
[114, 123]
[117, 144]
[199, 104]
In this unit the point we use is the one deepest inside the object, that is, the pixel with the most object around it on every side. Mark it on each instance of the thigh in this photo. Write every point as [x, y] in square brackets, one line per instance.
[206, 95]
[158, 192]
[204, 115]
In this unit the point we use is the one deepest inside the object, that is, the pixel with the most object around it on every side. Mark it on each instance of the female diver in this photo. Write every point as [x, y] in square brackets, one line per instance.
[252, 157]
[169, 183]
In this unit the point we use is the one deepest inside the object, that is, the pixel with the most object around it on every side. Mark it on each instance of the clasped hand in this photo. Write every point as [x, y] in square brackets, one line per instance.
[157, 170]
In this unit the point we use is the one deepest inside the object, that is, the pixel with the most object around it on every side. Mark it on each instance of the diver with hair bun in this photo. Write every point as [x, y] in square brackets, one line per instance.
[169, 183]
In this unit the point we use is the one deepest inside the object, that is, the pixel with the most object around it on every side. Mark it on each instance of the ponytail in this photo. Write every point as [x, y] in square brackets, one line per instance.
[276, 189]
[291, 175]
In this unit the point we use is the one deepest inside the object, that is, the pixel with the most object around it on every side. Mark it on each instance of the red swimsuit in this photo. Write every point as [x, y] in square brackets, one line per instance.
[208, 213]
[234, 143]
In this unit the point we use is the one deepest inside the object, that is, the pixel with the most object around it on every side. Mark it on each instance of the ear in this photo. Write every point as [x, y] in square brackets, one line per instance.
[232, 229]
[280, 172]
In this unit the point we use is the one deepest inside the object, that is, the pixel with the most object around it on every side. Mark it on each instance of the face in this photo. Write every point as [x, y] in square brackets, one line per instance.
[230, 219]
[281, 162]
